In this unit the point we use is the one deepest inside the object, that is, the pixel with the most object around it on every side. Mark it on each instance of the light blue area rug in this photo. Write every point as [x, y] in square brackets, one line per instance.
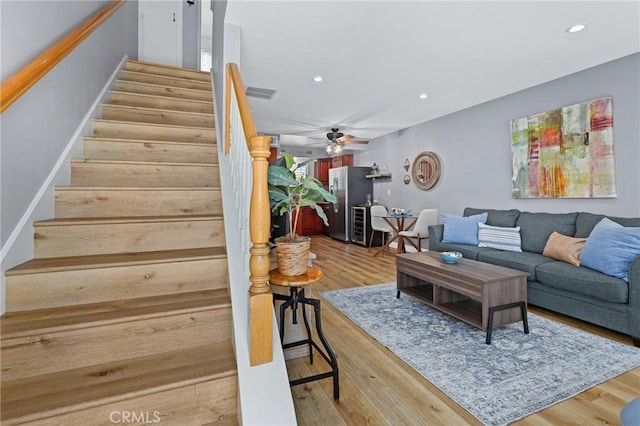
[517, 375]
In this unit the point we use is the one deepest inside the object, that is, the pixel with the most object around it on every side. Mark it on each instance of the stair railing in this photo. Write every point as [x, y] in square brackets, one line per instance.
[22, 80]
[248, 153]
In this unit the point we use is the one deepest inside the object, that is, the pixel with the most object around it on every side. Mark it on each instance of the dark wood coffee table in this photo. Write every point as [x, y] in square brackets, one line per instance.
[481, 294]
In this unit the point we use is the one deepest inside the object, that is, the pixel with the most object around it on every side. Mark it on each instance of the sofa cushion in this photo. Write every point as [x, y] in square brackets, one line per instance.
[584, 281]
[468, 251]
[566, 249]
[535, 228]
[611, 248]
[524, 261]
[587, 221]
[505, 218]
[499, 237]
[462, 230]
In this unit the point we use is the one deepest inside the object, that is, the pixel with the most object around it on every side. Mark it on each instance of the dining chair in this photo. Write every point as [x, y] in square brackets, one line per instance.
[379, 224]
[420, 231]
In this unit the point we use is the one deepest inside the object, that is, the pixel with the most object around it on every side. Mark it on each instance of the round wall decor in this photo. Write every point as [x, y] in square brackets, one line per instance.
[426, 170]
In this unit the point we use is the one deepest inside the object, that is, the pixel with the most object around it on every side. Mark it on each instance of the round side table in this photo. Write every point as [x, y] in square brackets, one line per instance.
[296, 285]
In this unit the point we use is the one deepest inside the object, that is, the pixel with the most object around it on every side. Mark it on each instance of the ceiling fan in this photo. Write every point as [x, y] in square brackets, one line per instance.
[335, 136]
[336, 139]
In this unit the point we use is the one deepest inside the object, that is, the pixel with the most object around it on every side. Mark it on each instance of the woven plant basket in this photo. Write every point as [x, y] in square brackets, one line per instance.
[293, 255]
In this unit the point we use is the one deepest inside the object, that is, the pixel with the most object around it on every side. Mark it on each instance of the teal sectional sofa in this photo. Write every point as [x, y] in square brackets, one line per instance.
[576, 291]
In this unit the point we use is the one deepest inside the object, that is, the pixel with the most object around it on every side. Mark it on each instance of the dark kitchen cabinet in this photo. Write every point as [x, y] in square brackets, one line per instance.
[322, 166]
[273, 154]
[328, 210]
[321, 170]
[309, 223]
[343, 160]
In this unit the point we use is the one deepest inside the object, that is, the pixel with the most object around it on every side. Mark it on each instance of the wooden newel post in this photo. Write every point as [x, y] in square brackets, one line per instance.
[260, 296]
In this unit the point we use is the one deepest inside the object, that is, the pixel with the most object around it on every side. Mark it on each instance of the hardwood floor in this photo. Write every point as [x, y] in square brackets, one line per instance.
[376, 387]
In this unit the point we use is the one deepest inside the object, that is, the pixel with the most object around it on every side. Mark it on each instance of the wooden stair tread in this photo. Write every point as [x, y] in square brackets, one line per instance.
[139, 83]
[66, 391]
[147, 95]
[134, 188]
[154, 125]
[148, 141]
[199, 75]
[229, 421]
[166, 78]
[144, 163]
[115, 220]
[41, 321]
[54, 264]
[156, 324]
[135, 108]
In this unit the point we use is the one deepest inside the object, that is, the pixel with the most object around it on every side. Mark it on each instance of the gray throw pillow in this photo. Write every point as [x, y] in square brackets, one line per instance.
[503, 218]
[535, 228]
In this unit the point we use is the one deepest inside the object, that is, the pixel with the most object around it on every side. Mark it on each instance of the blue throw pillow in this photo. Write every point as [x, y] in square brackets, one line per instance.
[462, 230]
[611, 248]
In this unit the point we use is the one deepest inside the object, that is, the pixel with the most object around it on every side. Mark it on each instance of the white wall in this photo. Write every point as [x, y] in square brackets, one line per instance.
[474, 147]
[38, 127]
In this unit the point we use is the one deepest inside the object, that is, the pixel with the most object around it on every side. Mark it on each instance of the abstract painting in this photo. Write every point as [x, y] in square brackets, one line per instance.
[565, 152]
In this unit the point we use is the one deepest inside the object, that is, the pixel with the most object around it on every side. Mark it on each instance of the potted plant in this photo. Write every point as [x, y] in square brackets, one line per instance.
[289, 194]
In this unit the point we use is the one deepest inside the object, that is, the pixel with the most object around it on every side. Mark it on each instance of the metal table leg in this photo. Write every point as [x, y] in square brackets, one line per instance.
[297, 296]
[492, 310]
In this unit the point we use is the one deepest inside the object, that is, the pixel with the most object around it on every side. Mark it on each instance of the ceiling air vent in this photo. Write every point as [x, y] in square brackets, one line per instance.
[258, 92]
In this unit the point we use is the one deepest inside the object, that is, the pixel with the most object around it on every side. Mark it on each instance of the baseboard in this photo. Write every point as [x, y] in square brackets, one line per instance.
[19, 245]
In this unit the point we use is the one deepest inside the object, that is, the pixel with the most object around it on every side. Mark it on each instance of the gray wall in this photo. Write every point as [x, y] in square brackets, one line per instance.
[29, 27]
[219, 9]
[190, 35]
[474, 147]
[38, 126]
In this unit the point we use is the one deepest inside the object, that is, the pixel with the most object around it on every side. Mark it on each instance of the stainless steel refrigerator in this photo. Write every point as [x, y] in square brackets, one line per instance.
[350, 187]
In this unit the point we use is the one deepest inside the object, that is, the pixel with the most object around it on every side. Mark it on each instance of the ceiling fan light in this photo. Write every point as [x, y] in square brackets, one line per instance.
[329, 149]
[337, 149]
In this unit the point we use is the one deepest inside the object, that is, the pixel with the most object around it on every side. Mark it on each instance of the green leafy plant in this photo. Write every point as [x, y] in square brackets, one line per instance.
[288, 194]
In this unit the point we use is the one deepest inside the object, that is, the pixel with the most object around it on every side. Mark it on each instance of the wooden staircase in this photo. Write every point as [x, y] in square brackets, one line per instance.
[123, 315]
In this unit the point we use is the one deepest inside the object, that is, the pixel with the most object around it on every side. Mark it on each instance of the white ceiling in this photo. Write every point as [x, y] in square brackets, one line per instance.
[376, 57]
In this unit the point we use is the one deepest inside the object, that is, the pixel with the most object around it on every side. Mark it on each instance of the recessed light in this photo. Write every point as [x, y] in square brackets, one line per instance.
[423, 96]
[576, 28]
[317, 78]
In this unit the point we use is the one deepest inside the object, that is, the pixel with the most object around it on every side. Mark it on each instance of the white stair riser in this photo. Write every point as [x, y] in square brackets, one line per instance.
[143, 175]
[76, 348]
[136, 202]
[179, 152]
[88, 239]
[77, 287]
[124, 130]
